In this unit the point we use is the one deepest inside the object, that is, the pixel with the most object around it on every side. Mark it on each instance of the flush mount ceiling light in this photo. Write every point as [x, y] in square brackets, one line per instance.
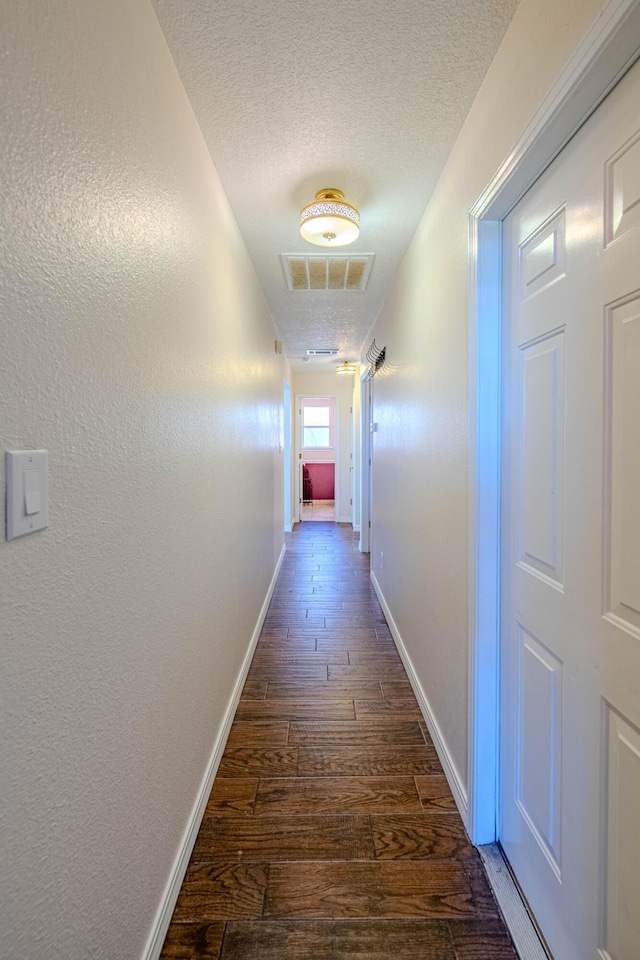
[329, 221]
[346, 367]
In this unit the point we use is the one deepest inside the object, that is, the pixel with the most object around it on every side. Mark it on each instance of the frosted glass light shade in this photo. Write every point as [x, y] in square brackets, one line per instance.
[329, 221]
[347, 366]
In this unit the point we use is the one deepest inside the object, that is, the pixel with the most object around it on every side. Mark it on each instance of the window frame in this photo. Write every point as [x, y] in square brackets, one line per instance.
[323, 402]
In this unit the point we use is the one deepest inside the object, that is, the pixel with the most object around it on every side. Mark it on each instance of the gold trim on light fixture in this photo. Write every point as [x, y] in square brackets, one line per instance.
[329, 221]
[347, 366]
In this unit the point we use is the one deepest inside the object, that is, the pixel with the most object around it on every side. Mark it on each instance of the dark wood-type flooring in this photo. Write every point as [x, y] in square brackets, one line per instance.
[331, 831]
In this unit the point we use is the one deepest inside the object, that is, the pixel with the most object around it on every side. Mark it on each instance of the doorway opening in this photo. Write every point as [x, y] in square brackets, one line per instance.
[317, 456]
[318, 491]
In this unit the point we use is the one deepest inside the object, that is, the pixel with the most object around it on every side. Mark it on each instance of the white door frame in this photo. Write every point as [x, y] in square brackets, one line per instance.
[608, 50]
[287, 456]
[365, 470]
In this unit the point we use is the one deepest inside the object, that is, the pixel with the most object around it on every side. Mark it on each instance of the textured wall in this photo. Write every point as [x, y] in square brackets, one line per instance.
[136, 348]
[420, 472]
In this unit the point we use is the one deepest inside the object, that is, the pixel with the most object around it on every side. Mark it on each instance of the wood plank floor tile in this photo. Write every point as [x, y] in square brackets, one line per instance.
[190, 941]
[278, 620]
[336, 794]
[295, 710]
[355, 732]
[348, 590]
[371, 645]
[369, 689]
[254, 690]
[347, 623]
[259, 762]
[409, 837]
[436, 889]
[397, 689]
[398, 709]
[344, 577]
[256, 733]
[367, 761]
[233, 795]
[483, 898]
[272, 838]
[292, 672]
[435, 793]
[264, 655]
[366, 671]
[481, 940]
[213, 891]
[299, 608]
[376, 655]
[324, 610]
[286, 646]
[338, 940]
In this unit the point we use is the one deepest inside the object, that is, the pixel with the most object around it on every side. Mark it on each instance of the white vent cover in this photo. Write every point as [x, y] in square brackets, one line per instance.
[323, 352]
[316, 271]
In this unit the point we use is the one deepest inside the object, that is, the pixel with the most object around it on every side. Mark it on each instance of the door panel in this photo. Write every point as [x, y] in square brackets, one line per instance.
[622, 331]
[539, 760]
[570, 539]
[622, 839]
[542, 256]
[541, 466]
[623, 190]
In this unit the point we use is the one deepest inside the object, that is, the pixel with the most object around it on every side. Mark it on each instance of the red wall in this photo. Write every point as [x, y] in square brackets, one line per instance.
[323, 480]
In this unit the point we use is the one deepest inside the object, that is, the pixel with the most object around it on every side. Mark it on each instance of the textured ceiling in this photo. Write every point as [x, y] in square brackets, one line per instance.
[364, 95]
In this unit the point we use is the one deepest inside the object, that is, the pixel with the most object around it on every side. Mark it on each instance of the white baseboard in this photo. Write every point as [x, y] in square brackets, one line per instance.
[450, 771]
[343, 520]
[162, 919]
[288, 527]
[356, 528]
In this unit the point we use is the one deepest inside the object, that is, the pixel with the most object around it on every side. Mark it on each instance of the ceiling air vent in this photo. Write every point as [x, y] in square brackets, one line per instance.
[323, 352]
[311, 272]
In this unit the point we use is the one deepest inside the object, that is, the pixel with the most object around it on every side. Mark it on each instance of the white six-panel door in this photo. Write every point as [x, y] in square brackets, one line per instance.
[570, 663]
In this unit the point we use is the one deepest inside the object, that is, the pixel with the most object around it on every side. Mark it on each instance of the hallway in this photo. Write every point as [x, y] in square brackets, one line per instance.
[330, 831]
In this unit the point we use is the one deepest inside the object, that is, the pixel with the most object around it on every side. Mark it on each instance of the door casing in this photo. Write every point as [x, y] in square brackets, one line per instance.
[608, 50]
[366, 450]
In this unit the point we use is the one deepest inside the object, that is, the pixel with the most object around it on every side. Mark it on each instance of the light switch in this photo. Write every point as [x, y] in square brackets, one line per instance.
[27, 492]
[31, 492]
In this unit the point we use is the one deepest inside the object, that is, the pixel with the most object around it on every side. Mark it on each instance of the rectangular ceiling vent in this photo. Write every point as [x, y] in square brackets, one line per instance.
[323, 352]
[317, 271]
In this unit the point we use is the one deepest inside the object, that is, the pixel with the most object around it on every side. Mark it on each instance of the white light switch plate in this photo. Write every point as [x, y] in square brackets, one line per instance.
[27, 492]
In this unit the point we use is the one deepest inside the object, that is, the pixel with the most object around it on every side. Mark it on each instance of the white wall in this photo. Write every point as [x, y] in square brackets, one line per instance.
[421, 397]
[136, 348]
[341, 387]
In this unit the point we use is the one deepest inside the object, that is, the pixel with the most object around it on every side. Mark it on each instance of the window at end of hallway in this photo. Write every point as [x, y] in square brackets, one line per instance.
[317, 427]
